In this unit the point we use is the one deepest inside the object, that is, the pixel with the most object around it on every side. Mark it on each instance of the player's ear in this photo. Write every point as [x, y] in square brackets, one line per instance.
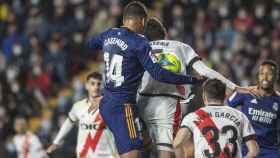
[204, 98]
[87, 85]
[144, 20]
[276, 76]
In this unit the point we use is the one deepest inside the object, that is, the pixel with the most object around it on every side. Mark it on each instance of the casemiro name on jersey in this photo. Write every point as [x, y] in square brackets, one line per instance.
[116, 41]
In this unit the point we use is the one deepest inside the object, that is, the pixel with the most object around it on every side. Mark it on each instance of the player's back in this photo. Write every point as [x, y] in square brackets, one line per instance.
[174, 56]
[217, 131]
[123, 70]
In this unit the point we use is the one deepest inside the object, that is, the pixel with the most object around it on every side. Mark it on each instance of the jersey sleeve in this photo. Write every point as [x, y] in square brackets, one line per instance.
[188, 55]
[204, 70]
[248, 132]
[63, 131]
[235, 99]
[187, 122]
[96, 42]
[145, 57]
[72, 115]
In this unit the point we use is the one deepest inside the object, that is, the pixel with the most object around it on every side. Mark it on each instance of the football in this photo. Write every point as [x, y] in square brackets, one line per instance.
[169, 62]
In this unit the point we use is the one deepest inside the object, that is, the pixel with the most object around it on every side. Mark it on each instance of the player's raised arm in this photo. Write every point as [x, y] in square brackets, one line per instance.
[192, 59]
[158, 73]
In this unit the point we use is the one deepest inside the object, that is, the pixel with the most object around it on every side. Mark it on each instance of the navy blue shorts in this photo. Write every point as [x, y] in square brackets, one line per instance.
[123, 121]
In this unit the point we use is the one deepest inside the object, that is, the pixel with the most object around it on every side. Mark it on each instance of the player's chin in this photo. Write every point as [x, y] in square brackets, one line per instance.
[266, 86]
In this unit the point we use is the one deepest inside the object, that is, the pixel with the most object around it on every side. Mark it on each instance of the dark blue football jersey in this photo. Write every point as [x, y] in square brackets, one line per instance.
[127, 55]
[263, 113]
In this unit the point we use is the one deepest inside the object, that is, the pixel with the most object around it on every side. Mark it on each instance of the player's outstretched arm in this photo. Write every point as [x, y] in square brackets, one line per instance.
[204, 70]
[159, 73]
[64, 130]
[253, 149]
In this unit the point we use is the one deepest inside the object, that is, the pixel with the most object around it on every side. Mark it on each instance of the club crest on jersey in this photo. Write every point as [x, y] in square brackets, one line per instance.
[152, 56]
[254, 101]
[275, 106]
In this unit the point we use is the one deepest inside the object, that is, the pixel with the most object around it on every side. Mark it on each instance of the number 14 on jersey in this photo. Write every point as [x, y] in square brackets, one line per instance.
[113, 68]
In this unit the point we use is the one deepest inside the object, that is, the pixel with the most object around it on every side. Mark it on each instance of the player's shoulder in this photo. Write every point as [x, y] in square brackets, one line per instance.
[192, 115]
[179, 44]
[189, 117]
[169, 43]
[31, 135]
[277, 93]
[80, 103]
[235, 112]
[277, 96]
[231, 109]
[141, 39]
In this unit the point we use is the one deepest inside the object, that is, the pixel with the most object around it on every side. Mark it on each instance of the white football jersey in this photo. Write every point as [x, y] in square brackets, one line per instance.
[28, 146]
[184, 54]
[94, 138]
[218, 131]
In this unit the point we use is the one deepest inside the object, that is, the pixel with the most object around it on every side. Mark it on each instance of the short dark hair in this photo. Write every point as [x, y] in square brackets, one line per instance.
[214, 89]
[273, 64]
[154, 30]
[135, 9]
[94, 75]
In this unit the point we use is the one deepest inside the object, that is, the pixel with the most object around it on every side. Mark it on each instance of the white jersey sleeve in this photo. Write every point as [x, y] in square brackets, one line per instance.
[63, 131]
[68, 124]
[193, 60]
[248, 131]
[187, 54]
[73, 114]
[187, 121]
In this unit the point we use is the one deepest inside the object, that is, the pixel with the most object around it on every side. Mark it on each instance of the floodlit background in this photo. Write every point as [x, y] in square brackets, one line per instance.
[43, 58]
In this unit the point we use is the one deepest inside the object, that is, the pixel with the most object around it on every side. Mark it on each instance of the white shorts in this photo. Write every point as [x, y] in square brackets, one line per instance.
[162, 116]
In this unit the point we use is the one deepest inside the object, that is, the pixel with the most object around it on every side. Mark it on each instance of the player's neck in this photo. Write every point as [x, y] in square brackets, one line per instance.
[215, 103]
[131, 25]
[93, 102]
[94, 98]
[130, 28]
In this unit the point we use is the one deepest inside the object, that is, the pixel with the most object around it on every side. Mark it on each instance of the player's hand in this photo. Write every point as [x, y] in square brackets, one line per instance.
[52, 148]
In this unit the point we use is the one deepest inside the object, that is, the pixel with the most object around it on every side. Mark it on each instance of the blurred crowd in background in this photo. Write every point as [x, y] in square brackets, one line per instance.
[43, 49]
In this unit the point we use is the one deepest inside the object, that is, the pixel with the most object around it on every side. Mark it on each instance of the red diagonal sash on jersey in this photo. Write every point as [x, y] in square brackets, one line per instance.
[204, 122]
[26, 144]
[92, 142]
